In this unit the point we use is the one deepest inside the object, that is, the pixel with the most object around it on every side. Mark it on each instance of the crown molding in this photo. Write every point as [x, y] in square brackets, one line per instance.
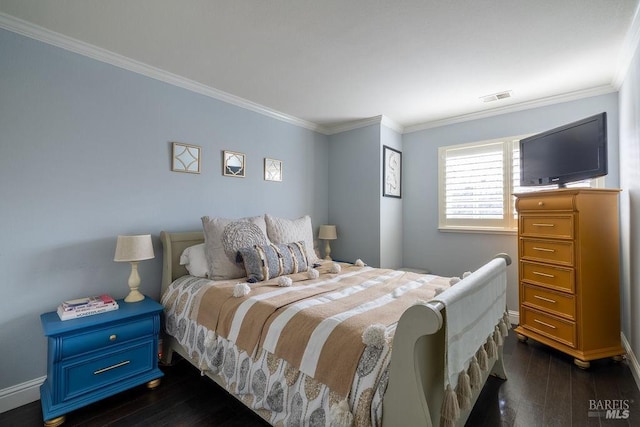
[53, 38]
[357, 124]
[629, 47]
[542, 102]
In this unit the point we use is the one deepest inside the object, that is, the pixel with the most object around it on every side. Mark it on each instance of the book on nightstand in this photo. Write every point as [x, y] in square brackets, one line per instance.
[82, 307]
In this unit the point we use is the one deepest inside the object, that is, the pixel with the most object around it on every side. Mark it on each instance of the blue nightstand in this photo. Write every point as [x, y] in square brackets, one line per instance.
[97, 356]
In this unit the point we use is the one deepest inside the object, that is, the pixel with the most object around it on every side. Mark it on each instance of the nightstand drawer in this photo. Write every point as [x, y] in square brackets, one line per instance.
[559, 227]
[103, 338]
[557, 252]
[85, 375]
[557, 303]
[559, 278]
[558, 329]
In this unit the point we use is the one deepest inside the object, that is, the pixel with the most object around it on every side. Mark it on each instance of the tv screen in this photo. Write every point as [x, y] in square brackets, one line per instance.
[569, 153]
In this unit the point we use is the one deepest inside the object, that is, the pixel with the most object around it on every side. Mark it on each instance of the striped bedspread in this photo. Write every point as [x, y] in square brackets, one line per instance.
[315, 326]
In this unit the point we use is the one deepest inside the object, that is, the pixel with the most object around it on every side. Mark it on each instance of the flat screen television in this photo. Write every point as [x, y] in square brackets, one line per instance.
[569, 153]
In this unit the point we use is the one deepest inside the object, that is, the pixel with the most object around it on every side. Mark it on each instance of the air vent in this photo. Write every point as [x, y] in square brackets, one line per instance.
[496, 96]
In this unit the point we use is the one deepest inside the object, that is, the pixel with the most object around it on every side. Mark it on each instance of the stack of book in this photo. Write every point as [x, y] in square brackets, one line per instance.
[88, 306]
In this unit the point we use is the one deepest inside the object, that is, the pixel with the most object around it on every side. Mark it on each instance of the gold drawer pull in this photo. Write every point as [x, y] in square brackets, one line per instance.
[108, 368]
[543, 249]
[544, 323]
[540, 203]
[537, 273]
[112, 337]
[545, 299]
[542, 224]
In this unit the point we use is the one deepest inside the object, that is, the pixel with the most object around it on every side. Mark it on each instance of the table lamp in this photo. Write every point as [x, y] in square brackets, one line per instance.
[326, 233]
[134, 249]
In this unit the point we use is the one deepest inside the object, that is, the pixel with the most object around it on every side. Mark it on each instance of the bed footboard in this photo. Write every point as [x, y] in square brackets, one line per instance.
[418, 374]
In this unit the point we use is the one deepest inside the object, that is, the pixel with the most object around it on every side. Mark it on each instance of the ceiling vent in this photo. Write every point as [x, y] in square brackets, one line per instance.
[497, 96]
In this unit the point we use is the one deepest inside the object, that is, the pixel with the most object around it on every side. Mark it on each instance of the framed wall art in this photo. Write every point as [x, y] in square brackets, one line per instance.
[391, 172]
[233, 164]
[272, 169]
[185, 157]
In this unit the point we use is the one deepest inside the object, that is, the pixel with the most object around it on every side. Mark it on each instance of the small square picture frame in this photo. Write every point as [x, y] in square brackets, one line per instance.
[392, 172]
[272, 170]
[185, 157]
[233, 164]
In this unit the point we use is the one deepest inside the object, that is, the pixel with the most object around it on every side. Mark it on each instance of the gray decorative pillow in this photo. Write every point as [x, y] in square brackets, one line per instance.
[264, 262]
[222, 239]
[282, 230]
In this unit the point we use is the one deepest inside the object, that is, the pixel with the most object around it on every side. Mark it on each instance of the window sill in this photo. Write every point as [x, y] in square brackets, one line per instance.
[479, 230]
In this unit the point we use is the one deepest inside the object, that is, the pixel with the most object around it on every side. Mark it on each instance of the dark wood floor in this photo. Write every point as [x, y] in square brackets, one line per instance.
[544, 388]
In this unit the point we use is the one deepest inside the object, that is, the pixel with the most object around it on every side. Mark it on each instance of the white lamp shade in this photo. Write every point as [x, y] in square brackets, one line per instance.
[134, 248]
[327, 232]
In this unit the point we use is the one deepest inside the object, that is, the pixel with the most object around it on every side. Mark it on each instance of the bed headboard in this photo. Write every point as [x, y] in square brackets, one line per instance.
[173, 244]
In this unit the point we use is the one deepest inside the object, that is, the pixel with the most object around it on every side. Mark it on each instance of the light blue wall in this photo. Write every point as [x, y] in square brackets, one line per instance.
[630, 203]
[391, 213]
[85, 156]
[355, 186]
[451, 254]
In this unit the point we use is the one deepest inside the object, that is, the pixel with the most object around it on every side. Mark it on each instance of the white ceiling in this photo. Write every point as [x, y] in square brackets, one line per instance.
[330, 62]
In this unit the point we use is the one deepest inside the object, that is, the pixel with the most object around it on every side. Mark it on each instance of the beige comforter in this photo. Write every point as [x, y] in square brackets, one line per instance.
[315, 326]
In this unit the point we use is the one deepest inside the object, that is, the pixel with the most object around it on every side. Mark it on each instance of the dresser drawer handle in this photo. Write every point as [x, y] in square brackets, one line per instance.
[537, 273]
[112, 337]
[542, 224]
[545, 299]
[108, 368]
[540, 203]
[544, 323]
[543, 249]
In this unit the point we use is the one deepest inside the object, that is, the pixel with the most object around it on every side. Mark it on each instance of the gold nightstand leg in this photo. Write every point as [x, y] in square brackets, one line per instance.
[153, 384]
[54, 422]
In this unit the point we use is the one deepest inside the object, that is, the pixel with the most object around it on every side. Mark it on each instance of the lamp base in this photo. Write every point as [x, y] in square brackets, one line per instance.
[134, 296]
[134, 283]
[327, 251]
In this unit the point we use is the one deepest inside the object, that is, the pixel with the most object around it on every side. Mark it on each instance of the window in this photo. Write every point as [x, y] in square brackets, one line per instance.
[476, 184]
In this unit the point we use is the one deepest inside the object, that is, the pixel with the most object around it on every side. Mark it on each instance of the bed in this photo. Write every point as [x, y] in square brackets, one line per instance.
[446, 339]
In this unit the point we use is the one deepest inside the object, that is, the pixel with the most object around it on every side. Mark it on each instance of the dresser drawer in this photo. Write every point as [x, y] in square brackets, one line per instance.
[556, 252]
[557, 303]
[85, 375]
[550, 326]
[545, 203]
[559, 227]
[558, 278]
[95, 339]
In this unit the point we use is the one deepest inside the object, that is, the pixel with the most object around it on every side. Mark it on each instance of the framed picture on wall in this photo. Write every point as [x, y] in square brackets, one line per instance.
[391, 172]
[185, 158]
[272, 169]
[233, 164]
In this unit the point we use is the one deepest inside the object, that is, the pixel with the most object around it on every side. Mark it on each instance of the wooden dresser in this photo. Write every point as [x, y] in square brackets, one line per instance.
[568, 250]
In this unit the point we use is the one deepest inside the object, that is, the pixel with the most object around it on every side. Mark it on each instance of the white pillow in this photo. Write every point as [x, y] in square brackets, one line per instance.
[282, 230]
[194, 259]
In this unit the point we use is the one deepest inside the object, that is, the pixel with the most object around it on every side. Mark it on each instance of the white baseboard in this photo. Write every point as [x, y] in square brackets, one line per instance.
[631, 360]
[20, 394]
[514, 317]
